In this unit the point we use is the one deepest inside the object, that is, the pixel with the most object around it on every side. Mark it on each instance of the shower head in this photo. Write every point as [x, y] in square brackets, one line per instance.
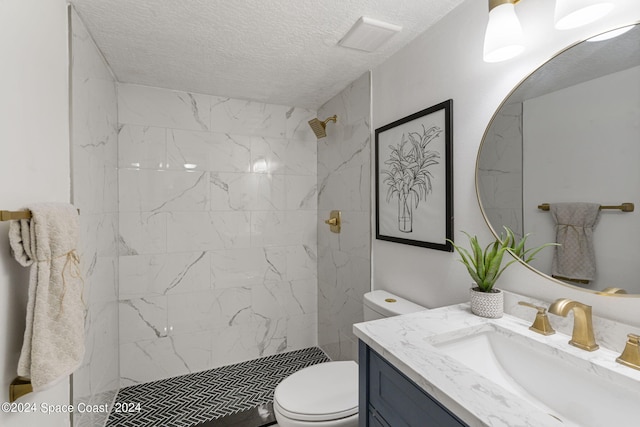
[319, 128]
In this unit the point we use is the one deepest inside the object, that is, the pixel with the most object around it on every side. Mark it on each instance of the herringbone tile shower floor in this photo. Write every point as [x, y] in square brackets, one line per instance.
[193, 399]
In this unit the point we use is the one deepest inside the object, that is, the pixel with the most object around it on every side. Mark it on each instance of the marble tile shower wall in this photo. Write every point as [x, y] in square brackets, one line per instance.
[500, 179]
[344, 183]
[218, 216]
[94, 157]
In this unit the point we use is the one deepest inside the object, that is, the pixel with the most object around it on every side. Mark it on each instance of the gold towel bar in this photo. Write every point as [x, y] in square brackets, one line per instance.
[625, 207]
[19, 387]
[14, 215]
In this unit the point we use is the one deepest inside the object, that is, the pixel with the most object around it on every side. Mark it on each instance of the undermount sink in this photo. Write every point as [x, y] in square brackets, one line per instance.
[567, 386]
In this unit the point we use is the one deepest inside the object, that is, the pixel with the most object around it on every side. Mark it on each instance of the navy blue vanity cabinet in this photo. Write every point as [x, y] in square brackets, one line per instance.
[389, 399]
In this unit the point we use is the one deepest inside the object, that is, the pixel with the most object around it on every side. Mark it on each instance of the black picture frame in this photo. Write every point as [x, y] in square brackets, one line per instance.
[414, 179]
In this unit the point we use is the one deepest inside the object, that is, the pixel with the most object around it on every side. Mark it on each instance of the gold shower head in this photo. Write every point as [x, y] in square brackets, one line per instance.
[319, 128]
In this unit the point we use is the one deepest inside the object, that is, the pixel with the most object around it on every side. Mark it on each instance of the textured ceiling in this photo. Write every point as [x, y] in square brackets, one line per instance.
[275, 51]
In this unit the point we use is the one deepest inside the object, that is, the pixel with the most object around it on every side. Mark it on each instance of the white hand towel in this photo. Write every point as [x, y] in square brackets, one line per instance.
[575, 258]
[53, 344]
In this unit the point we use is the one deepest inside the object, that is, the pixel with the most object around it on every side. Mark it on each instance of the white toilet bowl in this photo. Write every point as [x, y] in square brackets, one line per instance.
[326, 395]
[323, 395]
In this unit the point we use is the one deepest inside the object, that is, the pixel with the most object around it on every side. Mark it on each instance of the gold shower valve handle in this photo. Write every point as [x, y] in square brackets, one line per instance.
[334, 221]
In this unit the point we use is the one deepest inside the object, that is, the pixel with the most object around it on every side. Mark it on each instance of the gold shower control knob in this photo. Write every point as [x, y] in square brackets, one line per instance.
[334, 221]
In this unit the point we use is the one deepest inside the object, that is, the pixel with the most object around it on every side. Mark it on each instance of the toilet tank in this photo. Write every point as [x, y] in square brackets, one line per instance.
[379, 304]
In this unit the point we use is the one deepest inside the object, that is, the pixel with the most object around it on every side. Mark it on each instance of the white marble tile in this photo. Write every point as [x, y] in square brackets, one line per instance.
[244, 342]
[302, 262]
[297, 126]
[98, 235]
[271, 336]
[239, 117]
[141, 190]
[162, 274]
[143, 318]
[211, 151]
[349, 148]
[142, 147]
[189, 150]
[268, 229]
[247, 267]
[195, 350]
[231, 191]
[186, 191]
[271, 228]
[300, 228]
[192, 311]
[104, 360]
[300, 157]
[99, 370]
[100, 279]
[203, 231]
[247, 191]
[142, 233]
[95, 184]
[94, 160]
[268, 155]
[230, 153]
[301, 331]
[234, 344]
[151, 360]
[270, 192]
[224, 229]
[343, 189]
[233, 307]
[284, 299]
[301, 192]
[144, 190]
[150, 106]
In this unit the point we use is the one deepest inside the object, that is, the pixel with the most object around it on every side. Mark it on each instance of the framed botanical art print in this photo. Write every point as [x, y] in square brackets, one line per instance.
[414, 179]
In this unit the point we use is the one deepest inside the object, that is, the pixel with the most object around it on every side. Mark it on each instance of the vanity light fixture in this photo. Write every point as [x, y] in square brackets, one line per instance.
[504, 38]
[576, 13]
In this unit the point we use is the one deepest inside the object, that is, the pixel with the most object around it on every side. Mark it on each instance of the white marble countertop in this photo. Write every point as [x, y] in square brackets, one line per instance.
[407, 342]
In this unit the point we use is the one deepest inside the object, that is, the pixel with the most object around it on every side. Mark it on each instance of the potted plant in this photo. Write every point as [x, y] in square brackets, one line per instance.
[485, 267]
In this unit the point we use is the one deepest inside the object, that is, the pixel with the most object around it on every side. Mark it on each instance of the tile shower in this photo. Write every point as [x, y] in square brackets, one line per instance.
[200, 227]
[217, 231]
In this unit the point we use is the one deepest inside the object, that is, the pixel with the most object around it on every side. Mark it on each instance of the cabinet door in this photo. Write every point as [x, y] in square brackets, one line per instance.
[375, 420]
[398, 400]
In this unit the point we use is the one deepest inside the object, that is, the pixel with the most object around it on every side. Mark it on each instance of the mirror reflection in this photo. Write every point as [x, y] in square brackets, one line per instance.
[561, 157]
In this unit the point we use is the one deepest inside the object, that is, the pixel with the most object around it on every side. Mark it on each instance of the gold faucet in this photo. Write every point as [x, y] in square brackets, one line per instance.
[582, 324]
[631, 355]
[541, 324]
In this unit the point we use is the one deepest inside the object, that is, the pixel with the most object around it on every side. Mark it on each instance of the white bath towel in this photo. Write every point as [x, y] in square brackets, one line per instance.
[53, 344]
[575, 258]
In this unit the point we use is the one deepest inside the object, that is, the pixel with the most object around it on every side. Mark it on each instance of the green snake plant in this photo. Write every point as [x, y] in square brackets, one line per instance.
[484, 266]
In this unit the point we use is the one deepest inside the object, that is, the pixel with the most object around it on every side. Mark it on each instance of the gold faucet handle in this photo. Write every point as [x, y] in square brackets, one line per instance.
[541, 323]
[631, 354]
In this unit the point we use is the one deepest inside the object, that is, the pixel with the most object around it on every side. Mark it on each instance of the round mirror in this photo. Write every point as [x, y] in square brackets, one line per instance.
[561, 160]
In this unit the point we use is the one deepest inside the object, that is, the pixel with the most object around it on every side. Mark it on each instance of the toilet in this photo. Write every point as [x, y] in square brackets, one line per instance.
[326, 394]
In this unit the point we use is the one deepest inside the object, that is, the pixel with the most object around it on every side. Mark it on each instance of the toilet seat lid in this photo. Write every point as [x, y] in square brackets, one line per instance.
[322, 392]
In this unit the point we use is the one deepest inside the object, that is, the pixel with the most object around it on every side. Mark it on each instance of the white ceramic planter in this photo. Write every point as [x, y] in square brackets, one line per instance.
[487, 304]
